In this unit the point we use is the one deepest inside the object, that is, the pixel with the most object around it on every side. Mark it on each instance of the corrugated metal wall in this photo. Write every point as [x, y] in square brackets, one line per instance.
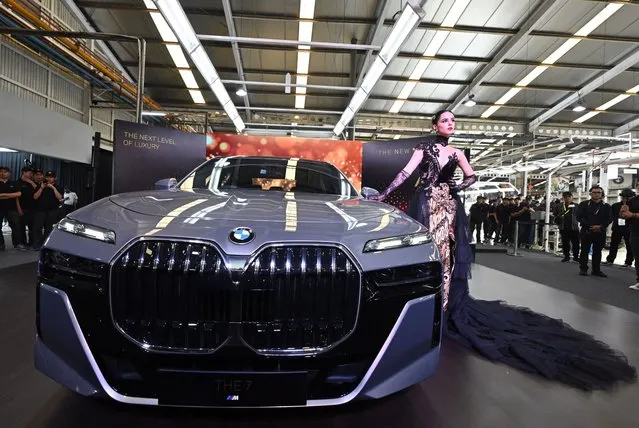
[29, 77]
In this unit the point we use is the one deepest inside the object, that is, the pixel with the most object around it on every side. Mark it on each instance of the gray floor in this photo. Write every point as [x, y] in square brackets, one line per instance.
[467, 391]
[550, 271]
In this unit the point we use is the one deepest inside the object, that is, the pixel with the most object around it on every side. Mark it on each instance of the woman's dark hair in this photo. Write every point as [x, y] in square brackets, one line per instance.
[439, 114]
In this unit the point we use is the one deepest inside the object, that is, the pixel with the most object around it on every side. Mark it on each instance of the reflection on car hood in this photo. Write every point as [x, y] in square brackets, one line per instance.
[252, 205]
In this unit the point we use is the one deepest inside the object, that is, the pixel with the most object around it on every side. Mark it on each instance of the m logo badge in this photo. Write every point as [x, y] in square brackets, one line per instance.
[242, 235]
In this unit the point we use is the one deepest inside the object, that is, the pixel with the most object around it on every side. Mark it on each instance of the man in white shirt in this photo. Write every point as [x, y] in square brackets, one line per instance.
[70, 201]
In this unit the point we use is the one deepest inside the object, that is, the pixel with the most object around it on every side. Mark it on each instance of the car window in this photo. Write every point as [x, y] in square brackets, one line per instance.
[269, 174]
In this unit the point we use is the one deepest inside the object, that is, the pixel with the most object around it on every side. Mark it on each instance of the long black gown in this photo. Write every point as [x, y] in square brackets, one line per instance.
[516, 336]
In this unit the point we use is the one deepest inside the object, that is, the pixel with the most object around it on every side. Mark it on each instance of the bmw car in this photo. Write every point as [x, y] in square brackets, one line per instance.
[251, 282]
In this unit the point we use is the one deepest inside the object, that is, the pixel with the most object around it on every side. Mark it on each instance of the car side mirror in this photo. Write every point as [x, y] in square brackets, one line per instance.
[166, 184]
[367, 192]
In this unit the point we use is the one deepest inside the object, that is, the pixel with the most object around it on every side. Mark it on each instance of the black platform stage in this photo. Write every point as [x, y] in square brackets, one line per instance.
[467, 391]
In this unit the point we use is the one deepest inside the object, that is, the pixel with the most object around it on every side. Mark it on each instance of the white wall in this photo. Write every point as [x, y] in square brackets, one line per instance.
[27, 127]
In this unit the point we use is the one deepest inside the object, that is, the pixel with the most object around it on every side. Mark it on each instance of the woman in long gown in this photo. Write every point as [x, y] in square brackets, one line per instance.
[512, 335]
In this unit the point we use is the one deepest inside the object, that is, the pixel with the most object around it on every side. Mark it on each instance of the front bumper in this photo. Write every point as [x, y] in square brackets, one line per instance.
[406, 357]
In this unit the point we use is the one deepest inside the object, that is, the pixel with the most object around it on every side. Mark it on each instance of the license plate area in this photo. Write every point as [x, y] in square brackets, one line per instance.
[231, 389]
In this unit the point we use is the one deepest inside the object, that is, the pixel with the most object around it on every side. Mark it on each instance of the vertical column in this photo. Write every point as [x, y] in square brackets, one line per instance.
[547, 217]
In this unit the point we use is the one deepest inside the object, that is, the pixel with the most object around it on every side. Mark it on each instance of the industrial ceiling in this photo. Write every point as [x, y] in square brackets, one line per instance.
[540, 78]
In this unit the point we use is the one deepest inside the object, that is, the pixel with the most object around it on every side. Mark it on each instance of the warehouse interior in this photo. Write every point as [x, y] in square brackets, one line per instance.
[545, 94]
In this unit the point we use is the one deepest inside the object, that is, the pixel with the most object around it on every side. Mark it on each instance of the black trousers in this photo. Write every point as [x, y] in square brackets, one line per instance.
[14, 223]
[43, 222]
[617, 235]
[476, 225]
[597, 241]
[570, 238]
[634, 244]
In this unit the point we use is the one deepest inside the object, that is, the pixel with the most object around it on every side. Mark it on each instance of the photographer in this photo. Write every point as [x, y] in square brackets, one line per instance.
[48, 196]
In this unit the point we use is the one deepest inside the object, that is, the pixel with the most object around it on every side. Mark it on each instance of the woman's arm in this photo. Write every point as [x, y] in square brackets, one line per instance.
[410, 167]
[469, 174]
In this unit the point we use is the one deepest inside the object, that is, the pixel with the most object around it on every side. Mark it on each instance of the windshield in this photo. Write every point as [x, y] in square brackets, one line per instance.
[269, 174]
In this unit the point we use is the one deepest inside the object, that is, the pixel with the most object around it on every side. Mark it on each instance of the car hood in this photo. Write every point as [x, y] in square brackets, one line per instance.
[252, 206]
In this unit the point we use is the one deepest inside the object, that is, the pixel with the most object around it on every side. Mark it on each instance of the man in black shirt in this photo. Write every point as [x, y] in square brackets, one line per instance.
[630, 212]
[620, 230]
[478, 215]
[48, 198]
[594, 216]
[9, 192]
[566, 218]
[25, 206]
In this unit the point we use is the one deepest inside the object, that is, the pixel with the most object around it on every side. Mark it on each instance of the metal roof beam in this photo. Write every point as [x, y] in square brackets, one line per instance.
[230, 24]
[595, 83]
[545, 9]
[262, 16]
[372, 34]
[626, 128]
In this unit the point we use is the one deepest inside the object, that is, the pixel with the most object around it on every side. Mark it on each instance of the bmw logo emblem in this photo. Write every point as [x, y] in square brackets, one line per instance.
[242, 235]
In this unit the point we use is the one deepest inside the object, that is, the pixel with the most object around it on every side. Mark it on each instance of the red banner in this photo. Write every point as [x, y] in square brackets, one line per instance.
[345, 155]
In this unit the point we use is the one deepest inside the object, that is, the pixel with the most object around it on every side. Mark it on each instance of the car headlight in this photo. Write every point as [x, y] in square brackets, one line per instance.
[87, 230]
[397, 242]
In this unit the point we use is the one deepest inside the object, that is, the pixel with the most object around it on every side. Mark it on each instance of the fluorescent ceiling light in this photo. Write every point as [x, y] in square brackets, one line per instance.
[177, 55]
[4, 149]
[399, 33]
[197, 97]
[177, 20]
[397, 106]
[420, 69]
[536, 72]
[406, 90]
[220, 92]
[358, 99]
[599, 19]
[586, 116]
[303, 60]
[373, 74]
[305, 31]
[307, 9]
[613, 101]
[436, 42]
[153, 113]
[633, 90]
[304, 34]
[595, 22]
[204, 65]
[561, 51]
[189, 79]
[490, 111]
[455, 13]
[431, 50]
[508, 96]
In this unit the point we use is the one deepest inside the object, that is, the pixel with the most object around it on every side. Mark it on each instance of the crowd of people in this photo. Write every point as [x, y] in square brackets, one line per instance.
[31, 205]
[583, 227]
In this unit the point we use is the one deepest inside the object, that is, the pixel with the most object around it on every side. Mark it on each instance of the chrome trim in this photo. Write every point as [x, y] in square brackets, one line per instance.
[305, 352]
[87, 352]
[151, 348]
[154, 401]
[227, 262]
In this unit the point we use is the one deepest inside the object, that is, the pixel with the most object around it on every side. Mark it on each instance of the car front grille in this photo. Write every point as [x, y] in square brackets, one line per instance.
[172, 295]
[299, 299]
[182, 297]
